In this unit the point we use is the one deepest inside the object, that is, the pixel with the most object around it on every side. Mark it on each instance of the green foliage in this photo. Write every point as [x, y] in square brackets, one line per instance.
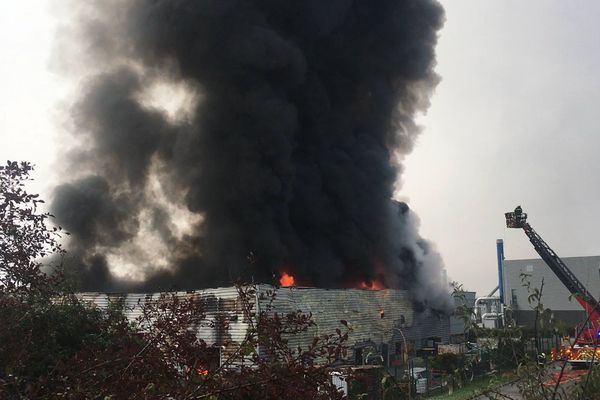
[509, 354]
[537, 377]
[24, 236]
[33, 338]
[449, 363]
[589, 388]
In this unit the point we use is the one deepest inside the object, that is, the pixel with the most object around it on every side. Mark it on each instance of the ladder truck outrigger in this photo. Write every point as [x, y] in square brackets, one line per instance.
[587, 335]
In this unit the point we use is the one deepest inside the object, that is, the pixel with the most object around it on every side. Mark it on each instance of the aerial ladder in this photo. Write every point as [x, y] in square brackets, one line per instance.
[588, 333]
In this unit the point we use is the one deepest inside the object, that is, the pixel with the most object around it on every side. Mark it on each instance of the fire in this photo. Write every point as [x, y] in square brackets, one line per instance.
[202, 372]
[286, 280]
[371, 285]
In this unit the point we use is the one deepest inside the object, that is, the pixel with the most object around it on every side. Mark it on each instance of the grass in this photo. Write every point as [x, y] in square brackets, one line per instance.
[473, 388]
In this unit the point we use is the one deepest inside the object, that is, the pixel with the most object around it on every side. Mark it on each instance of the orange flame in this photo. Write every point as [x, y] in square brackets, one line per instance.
[381, 313]
[202, 372]
[371, 285]
[286, 280]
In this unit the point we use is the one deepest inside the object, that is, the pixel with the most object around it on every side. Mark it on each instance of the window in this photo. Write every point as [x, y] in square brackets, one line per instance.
[385, 353]
[398, 348]
[358, 356]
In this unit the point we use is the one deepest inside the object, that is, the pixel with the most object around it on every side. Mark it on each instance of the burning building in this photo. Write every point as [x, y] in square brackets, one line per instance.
[385, 325]
[208, 131]
[256, 141]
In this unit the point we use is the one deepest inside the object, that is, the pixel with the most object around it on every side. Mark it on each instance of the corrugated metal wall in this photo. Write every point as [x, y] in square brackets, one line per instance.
[225, 324]
[375, 316]
[361, 308]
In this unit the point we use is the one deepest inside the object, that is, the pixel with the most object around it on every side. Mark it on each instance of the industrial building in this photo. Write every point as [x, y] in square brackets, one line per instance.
[555, 296]
[385, 326]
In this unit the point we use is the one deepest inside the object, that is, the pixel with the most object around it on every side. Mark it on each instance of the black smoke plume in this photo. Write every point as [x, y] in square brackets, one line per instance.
[287, 160]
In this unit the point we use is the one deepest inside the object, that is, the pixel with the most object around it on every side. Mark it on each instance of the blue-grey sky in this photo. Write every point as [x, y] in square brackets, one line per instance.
[513, 121]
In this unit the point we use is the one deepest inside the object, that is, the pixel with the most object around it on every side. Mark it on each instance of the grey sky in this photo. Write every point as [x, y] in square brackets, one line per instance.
[512, 122]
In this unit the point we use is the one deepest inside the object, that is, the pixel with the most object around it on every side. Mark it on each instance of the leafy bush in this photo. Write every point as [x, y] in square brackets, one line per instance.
[449, 363]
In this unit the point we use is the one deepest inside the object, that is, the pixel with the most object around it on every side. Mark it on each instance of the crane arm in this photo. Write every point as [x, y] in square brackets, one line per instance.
[518, 219]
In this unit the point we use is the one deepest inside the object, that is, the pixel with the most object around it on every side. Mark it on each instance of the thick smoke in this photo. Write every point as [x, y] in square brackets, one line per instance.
[287, 159]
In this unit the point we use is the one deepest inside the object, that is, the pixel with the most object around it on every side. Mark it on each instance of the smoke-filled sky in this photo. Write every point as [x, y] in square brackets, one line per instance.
[510, 123]
[294, 120]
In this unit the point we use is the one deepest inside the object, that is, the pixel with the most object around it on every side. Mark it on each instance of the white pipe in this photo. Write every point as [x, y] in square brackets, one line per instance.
[493, 291]
[486, 298]
[480, 299]
[491, 315]
[405, 359]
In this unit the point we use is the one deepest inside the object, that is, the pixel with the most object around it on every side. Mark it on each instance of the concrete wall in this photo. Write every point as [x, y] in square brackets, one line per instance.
[555, 296]
[566, 318]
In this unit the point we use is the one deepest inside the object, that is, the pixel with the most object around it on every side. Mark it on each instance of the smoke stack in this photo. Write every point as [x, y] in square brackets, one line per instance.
[296, 116]
[500, 260]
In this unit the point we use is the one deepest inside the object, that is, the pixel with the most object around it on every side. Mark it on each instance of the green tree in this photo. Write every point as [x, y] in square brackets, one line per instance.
[25, 237]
